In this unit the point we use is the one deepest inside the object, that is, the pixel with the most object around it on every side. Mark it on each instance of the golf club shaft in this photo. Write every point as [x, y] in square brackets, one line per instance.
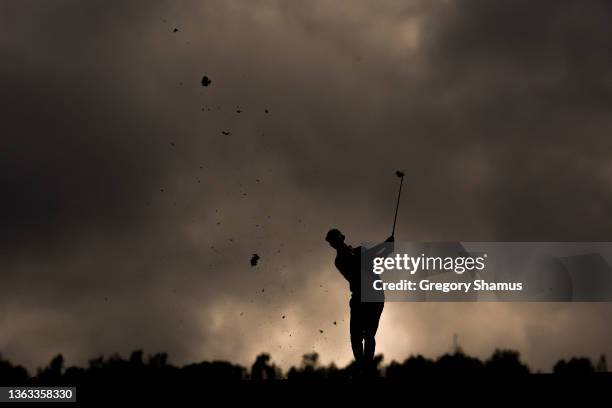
[397, 205]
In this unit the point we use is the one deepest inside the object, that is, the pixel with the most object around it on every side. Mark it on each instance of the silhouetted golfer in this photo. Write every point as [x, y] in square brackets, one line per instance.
[364, 315]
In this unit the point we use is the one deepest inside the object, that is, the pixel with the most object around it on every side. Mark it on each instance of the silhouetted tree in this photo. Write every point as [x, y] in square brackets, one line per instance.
[575, 366]
[310, 369]
[602, 365]
[159, 360]
[52, 374]
[411, 367]
[154, 372]
[458, 364]
[261, 370]
[10, 374]
[215, 371]
[506, 362]
[136, 359]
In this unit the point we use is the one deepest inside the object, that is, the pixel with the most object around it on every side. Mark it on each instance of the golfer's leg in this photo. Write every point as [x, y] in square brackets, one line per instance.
[372, 319]
[369, 349]
[356, 332]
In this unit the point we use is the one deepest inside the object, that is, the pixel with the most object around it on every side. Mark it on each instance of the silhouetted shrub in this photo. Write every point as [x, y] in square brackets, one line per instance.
[575, 366]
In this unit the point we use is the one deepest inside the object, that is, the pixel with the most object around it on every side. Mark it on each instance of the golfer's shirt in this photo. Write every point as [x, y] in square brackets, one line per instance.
[348, 262]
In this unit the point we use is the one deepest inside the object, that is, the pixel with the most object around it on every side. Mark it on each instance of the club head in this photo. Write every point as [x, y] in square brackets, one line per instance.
[399, 174]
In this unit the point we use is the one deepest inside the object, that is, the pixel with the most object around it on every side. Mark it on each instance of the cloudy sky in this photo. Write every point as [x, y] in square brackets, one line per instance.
[128, 218]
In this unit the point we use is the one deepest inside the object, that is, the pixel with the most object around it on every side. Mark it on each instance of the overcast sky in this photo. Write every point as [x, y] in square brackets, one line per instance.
[128, 218]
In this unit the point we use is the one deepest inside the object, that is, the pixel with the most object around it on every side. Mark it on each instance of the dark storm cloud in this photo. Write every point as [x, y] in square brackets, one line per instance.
[535, 80]
[129, 217]
[80, 147]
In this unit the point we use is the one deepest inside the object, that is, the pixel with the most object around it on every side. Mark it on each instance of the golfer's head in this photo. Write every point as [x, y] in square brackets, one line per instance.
[335, 238]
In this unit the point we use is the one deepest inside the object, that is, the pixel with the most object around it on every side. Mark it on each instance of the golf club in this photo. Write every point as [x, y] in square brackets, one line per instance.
[399, 174]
